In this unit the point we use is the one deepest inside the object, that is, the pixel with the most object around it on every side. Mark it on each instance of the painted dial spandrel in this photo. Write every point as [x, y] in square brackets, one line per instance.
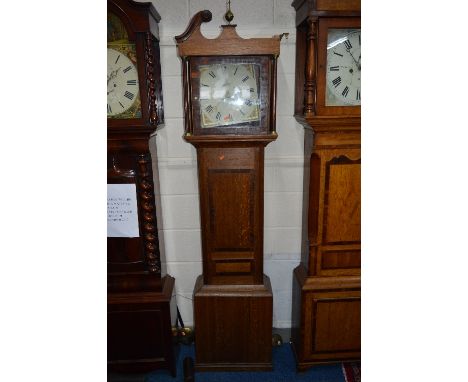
[228, 95]
[123, 100]
[343, 67]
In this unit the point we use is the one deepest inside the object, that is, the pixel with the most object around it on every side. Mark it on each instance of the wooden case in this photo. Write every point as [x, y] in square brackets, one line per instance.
[234, 325]
[138, 290]
[139, 335]
[326, 285]
[233, 300]
[231, 209]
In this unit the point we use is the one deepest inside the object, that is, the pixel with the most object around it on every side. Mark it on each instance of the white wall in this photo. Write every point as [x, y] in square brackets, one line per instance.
[177, 158]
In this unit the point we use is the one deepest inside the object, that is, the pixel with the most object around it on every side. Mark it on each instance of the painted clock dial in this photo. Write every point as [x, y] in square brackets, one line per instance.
[343, 67]
[123, 98]
[228, 94]
[122, 85]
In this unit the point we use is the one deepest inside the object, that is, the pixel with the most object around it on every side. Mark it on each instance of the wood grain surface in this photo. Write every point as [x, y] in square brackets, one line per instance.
[326, 306]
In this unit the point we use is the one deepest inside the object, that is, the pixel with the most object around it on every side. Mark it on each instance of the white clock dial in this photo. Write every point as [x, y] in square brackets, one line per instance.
[122, 82]
[228, 94]
[344, 67]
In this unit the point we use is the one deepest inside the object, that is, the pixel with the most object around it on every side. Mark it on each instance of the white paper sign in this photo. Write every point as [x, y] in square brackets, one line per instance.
[122, 212]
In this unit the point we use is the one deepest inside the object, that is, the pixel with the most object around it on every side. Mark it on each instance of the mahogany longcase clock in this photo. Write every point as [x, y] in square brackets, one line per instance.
[229, 101]
[139, 334]
[326, 291]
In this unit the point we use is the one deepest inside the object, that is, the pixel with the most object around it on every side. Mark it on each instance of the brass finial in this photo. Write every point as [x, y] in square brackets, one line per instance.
[228, 16]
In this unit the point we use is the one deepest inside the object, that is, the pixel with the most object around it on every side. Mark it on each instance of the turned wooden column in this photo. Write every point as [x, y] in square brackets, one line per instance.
[311, 68]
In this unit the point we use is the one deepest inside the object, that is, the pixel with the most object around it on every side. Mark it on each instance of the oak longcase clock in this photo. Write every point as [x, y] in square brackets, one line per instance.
[326, 309]
[139, 336]
[229, 86]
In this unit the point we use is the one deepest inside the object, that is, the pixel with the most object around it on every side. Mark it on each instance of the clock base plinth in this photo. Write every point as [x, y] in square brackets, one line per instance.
[139, 333]
[233, 326]
[326, 319]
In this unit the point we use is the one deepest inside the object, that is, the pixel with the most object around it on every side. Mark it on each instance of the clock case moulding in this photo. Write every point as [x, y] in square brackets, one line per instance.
[233, 300]
[326, 319]
[139, 292]
[230, 45]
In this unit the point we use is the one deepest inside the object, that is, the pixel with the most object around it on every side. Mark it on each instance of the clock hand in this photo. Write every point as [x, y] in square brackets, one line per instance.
[355, 61]
[112, 75]
[352, 57]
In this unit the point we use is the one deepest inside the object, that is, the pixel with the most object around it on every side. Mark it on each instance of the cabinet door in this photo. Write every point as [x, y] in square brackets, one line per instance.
[231, 208]
[335, 213]
[332, 325]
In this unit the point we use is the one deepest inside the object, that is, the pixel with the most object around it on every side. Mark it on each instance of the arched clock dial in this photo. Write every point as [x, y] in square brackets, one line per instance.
[122, 83]
[344, 67]
[228, 94]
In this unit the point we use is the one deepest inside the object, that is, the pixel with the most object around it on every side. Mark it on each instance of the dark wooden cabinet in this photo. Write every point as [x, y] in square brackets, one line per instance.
[229, 101]
[139, 335]
[326, 284]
